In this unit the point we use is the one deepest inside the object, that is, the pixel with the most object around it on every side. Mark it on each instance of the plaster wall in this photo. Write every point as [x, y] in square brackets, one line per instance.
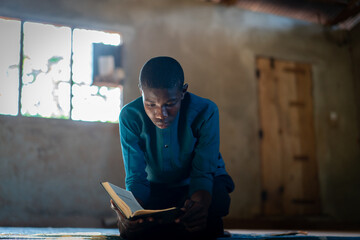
[50, 170]
[217, 47]
[355, 57]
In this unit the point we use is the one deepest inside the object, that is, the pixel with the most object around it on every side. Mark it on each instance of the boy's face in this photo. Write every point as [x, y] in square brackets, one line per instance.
[162, 105]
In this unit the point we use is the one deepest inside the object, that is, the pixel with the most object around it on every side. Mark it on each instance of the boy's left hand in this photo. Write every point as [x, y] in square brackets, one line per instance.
[196, 211]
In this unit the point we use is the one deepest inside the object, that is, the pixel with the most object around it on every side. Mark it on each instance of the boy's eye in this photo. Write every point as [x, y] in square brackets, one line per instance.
[150, 105]
[170, 104]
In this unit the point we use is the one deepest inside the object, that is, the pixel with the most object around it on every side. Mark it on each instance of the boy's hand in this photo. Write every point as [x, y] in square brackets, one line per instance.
[131, 228]
[196, 211]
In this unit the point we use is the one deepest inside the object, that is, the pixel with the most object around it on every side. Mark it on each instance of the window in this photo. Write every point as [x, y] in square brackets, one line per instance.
[9, 66]
[46, 71]
[56, 73]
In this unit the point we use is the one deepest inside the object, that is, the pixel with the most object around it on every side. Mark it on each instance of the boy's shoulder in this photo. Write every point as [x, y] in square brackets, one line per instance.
[134, 107]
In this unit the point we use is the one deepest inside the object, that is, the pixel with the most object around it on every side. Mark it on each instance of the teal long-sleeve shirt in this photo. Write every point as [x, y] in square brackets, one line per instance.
[185, 153]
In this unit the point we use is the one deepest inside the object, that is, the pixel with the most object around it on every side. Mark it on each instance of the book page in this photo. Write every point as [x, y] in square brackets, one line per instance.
[149, 211]
[127, 197]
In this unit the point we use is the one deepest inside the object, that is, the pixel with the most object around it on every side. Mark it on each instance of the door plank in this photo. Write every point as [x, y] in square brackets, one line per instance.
[289, 167]
[270, 149]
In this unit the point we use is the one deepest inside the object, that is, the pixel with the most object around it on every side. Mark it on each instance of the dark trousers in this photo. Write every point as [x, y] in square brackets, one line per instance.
[162, 197]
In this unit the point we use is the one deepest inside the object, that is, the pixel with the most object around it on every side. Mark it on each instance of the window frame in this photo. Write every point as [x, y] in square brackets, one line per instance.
[21, 65]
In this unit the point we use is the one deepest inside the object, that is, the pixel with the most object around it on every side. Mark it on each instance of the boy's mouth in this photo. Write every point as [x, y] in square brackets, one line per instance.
[162, 124]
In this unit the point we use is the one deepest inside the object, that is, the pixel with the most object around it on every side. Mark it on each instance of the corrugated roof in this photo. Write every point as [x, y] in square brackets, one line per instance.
[342, 13]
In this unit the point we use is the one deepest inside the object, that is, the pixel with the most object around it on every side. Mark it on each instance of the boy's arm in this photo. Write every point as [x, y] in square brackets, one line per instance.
[204, 164]
[206, 154]
[134, 160]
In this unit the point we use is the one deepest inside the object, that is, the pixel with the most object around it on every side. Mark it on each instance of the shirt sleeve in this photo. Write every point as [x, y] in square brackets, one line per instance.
[134, 160]
[206, 153]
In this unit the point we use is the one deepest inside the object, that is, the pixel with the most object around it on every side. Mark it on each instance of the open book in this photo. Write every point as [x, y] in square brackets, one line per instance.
[131, 209]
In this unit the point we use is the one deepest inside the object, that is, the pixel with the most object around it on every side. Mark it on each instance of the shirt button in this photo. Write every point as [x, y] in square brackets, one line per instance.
[166, 146]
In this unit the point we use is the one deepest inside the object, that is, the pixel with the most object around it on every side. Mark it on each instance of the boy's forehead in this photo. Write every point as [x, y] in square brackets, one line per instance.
[165, 91]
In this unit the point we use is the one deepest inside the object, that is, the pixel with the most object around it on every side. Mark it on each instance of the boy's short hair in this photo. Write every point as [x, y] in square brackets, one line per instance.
[161, 72]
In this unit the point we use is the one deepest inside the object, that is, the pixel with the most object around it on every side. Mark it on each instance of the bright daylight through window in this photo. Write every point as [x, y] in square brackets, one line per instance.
[49, 86]
[9, 66]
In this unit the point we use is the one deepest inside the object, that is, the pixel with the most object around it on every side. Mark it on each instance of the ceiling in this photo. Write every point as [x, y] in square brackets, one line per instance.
[344, 14]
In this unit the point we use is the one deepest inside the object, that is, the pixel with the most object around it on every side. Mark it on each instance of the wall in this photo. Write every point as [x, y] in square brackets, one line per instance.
[50, 170]
[355, 57]
[217, 47]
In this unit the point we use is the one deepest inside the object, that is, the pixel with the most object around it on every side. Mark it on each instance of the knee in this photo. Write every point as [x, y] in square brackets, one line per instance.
[223, 185]
[220, 204]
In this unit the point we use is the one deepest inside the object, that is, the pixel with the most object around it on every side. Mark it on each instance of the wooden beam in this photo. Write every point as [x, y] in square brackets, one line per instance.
[342, 2]
[352, 9]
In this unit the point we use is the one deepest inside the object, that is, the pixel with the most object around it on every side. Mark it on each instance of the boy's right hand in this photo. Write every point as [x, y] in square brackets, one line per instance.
[131, 229]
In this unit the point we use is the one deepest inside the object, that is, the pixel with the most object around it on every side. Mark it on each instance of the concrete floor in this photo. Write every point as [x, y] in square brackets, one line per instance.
[310, 232]
[102, 233]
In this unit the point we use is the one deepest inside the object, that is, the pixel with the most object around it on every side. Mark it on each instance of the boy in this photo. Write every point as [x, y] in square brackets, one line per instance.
[170, 145]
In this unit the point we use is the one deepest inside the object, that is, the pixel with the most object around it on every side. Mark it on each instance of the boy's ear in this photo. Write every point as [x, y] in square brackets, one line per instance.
[140, 89]
[185, 88]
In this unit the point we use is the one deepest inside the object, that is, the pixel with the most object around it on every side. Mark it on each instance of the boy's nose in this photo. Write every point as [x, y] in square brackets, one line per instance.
[162, 113]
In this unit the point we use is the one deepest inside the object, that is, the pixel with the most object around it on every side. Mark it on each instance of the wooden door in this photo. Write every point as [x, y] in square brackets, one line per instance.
[288, 159]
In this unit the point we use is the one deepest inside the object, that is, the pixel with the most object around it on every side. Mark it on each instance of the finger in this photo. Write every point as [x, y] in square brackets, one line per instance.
[194, 210]
[119, 214]
[183, 212]
[132, 224]
[188, 204]
[178, 220]
[112, 205]
[117, 211]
